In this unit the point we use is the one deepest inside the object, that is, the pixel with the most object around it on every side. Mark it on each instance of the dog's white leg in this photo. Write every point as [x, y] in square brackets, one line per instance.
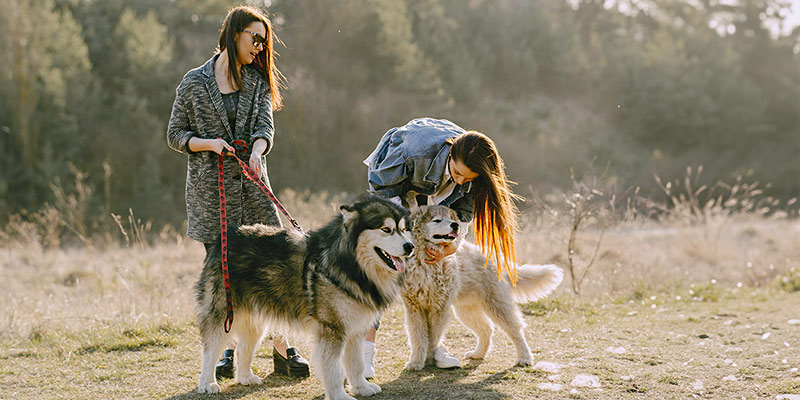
[354, 365]
[328, 358]
[213, 343]
[417, 330]
[250, 335]
[506, 315]
[475, 319]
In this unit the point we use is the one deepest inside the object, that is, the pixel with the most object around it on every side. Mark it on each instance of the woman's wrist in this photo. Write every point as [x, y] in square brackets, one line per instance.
[259, 146]
[196, 144]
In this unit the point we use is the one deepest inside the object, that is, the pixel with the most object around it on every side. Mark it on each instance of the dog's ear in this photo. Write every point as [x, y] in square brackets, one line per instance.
[409, 222]
[349, 213]
[416, 212]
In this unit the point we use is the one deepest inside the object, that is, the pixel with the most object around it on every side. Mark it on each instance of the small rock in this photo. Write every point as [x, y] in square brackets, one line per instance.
[703, 336]
[766, 335]
[583, 380]
[793, 369]
[730, 378]
[787, 397]
[697, 385]
[616, 350]
[794, 321]
[626, 377]
[550, 386]
[547, 367]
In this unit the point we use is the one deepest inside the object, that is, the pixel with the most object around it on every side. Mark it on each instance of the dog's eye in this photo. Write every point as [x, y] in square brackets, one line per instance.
[437, 220]
[387, 230]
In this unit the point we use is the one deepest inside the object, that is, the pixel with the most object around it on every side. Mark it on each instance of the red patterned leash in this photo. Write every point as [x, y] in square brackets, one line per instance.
[223, 218]
[223, 226]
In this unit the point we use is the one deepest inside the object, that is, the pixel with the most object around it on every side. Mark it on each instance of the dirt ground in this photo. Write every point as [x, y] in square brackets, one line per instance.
[699, 342]
[676, 311]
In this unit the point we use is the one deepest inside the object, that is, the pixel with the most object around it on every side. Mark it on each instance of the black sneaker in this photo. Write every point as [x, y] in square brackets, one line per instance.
[294, 365]
[225, 365]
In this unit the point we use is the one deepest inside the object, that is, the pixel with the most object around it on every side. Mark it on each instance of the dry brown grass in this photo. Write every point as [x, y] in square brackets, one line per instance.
[114, 321]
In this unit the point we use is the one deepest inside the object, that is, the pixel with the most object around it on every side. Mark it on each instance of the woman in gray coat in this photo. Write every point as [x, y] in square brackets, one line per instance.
[228, 100]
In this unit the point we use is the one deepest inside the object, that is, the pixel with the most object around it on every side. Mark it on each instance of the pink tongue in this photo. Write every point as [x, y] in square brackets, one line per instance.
[399, 263]
[452, 235]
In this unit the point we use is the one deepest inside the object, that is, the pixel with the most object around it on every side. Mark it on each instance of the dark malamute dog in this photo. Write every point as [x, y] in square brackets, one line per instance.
[331, 284]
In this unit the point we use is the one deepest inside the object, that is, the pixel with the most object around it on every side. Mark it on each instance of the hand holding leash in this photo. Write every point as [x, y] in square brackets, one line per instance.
[255, 163]
[220, 146]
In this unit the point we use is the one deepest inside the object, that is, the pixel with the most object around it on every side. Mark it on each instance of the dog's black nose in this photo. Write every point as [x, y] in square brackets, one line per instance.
[408, 247]
[454, 225]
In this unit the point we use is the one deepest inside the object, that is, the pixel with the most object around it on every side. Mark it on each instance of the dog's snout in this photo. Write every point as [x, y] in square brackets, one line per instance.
[454, 225]
[408, 247]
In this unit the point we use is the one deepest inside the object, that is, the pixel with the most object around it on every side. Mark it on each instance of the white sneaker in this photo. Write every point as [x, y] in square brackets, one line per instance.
[369, 359]
[444, 360]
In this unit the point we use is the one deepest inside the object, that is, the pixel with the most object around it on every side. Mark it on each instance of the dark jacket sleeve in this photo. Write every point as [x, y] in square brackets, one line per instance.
[263, 127]
[179, 129]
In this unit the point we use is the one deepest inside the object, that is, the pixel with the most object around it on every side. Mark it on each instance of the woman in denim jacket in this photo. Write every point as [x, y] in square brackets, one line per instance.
[434, 161]
[230, 99]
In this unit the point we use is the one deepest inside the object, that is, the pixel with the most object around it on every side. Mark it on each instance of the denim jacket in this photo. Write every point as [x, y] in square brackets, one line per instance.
[414, 157]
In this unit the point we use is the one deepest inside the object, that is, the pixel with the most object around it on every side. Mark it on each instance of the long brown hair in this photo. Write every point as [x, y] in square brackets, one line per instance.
[495, 211]
[238, 19]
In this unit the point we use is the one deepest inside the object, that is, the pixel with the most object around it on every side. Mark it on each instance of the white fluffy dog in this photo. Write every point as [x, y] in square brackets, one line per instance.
[465, 281]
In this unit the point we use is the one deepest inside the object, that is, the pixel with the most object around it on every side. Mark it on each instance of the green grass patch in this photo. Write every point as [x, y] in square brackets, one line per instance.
[791, 281]
[543, 307]
[133, 339]
[709, 292]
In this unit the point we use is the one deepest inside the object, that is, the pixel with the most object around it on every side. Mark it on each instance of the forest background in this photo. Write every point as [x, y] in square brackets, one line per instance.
[625, 89]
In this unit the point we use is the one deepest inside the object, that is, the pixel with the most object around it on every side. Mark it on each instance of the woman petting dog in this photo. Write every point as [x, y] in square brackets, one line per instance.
[434, 161]
[226, 105]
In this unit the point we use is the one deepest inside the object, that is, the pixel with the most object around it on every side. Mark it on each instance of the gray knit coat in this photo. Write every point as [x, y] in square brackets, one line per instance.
[198, 111]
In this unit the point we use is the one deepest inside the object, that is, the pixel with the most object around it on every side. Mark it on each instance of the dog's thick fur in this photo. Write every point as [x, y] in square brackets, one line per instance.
[465, 281]
[331, 284]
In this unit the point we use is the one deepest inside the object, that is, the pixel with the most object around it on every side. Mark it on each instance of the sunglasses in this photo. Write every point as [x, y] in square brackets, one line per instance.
[258, 40]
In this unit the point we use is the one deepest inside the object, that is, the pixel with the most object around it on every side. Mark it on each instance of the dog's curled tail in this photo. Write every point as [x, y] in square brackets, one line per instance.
[535, 282]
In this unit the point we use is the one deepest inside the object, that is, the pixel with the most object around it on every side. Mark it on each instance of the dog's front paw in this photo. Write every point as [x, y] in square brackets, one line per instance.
[339, 395]
[208, 388]
[248, 378]
[475, 355]
[524, 361]
[415, 365]
[366, 389]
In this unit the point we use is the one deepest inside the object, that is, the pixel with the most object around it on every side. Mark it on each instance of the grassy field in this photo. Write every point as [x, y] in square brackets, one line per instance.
[674, 309]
